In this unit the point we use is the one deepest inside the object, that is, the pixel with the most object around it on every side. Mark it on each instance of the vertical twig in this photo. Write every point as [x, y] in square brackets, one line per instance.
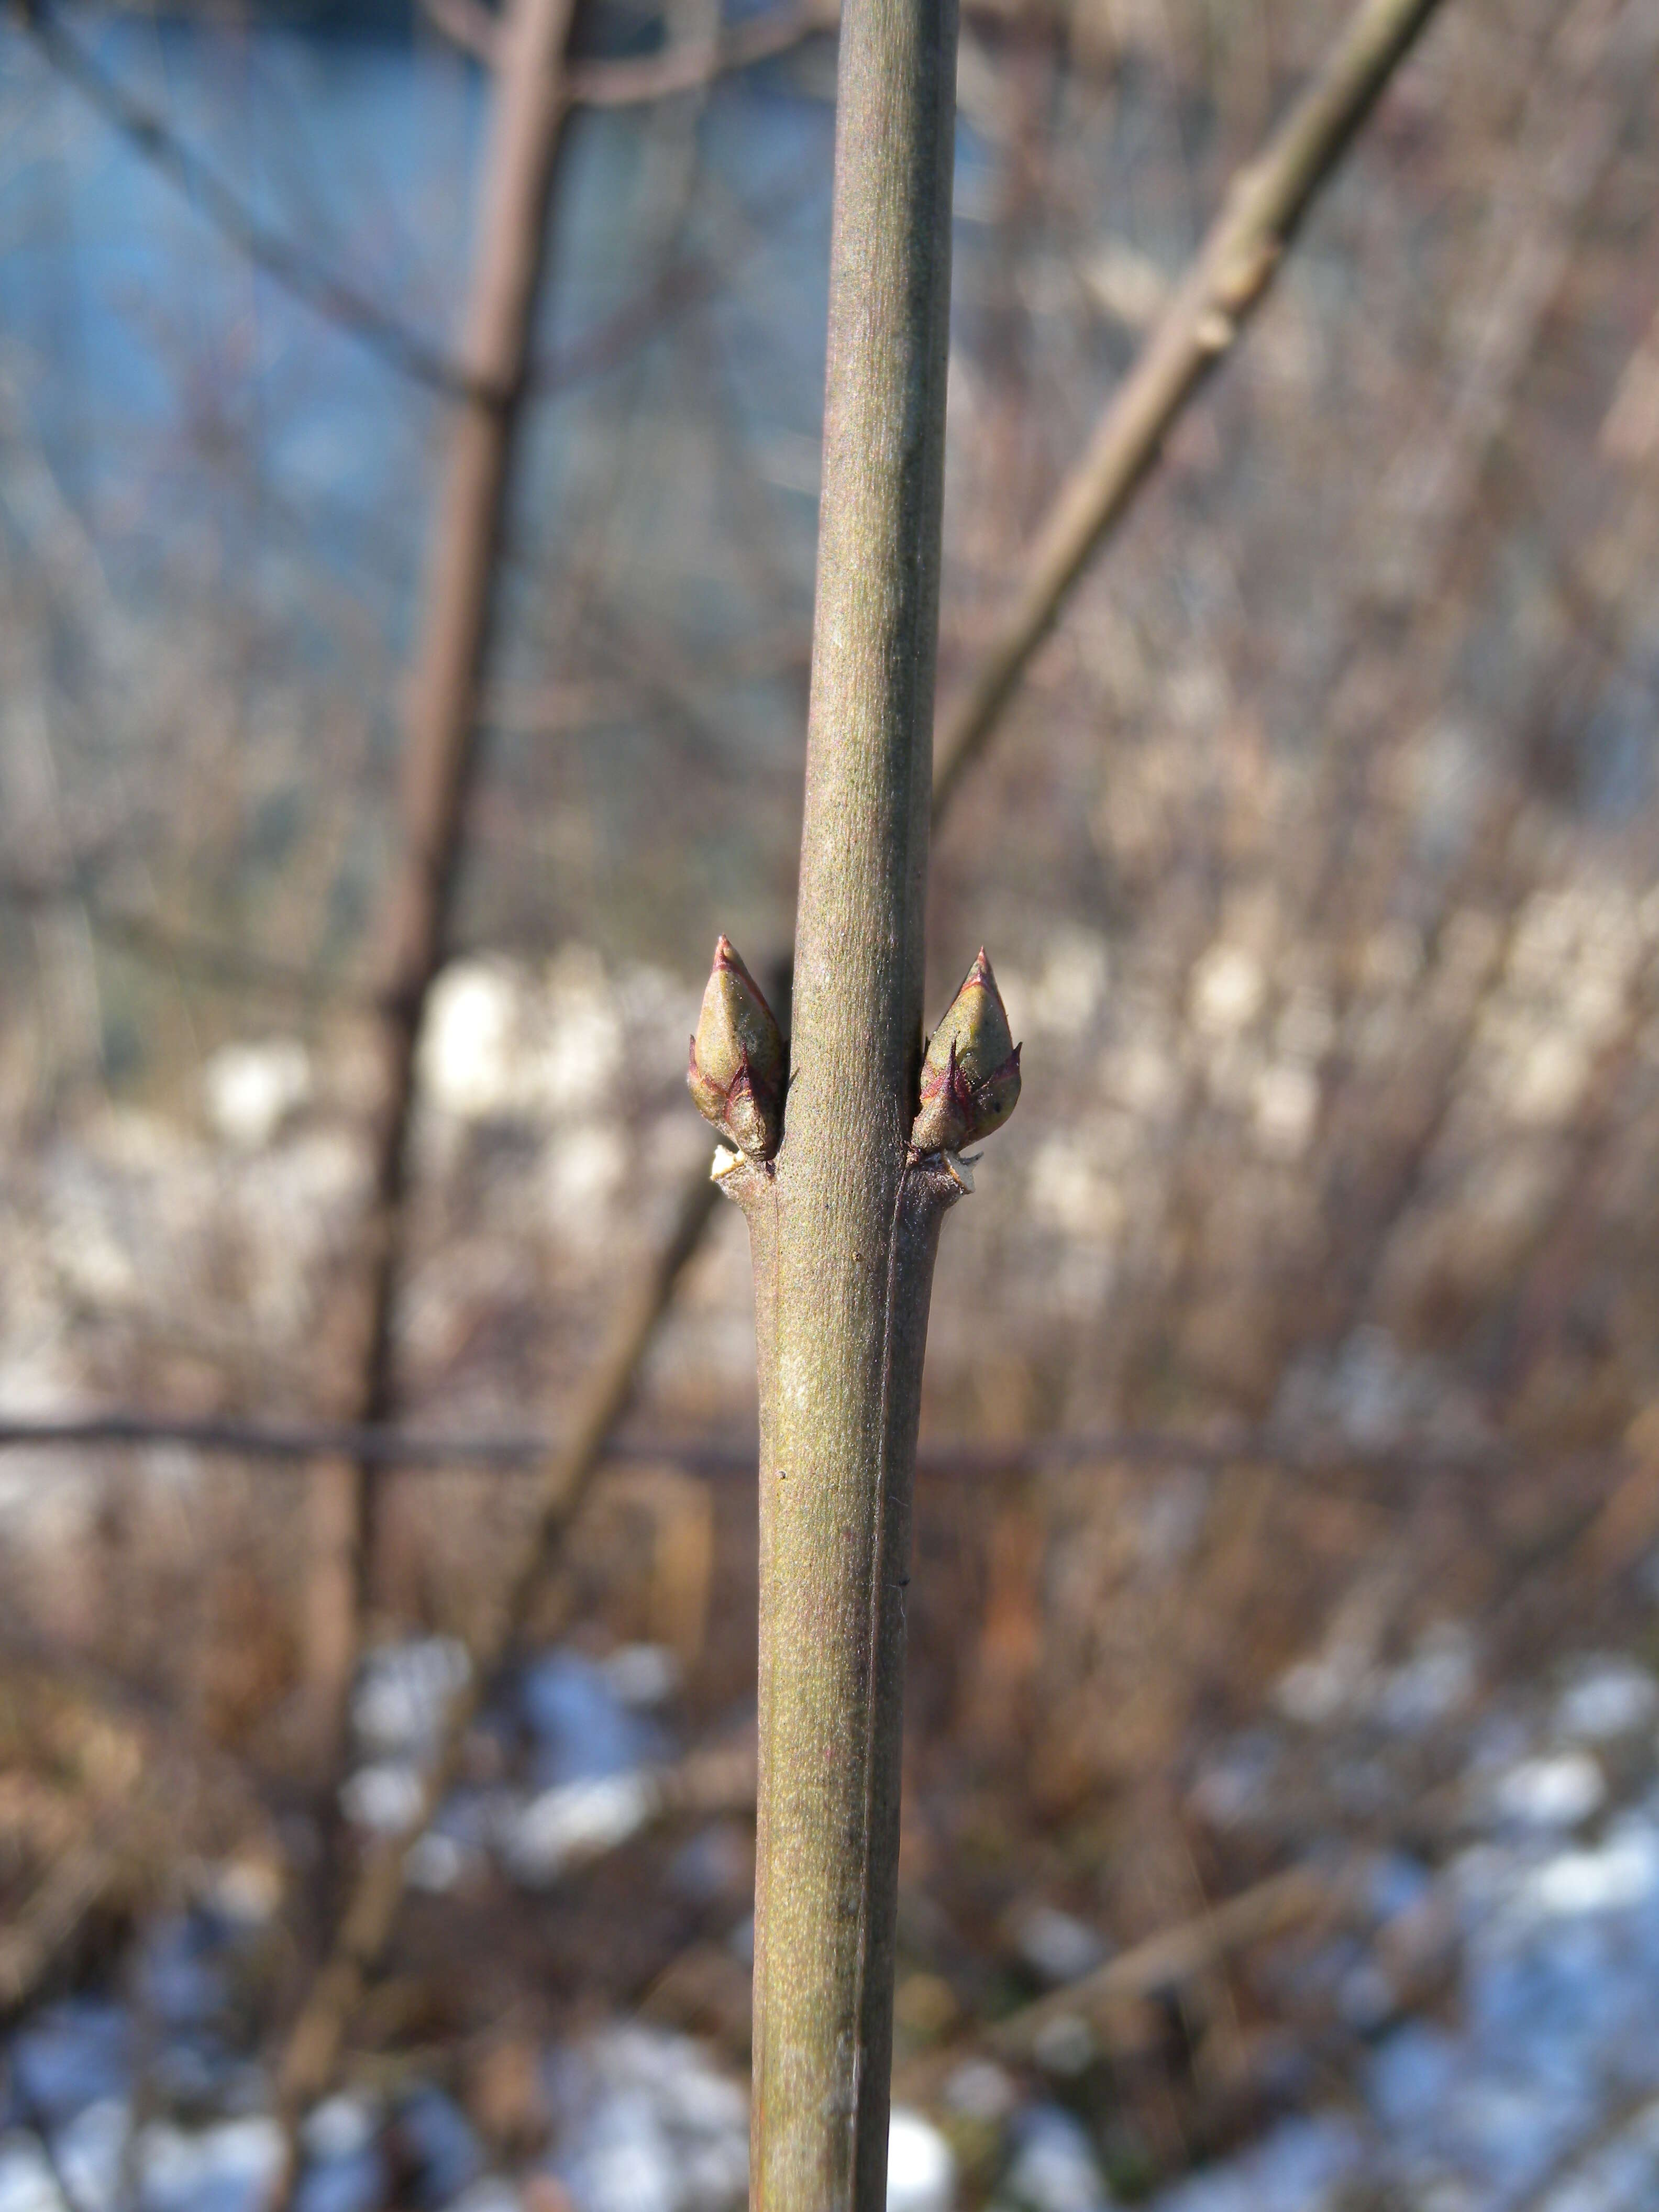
[843, 1234]
[442, 719]
[313, 2050]
[1343, 94]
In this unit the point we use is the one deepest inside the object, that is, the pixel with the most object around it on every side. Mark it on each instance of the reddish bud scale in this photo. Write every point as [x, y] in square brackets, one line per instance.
[970, 1072]
[739, 1064]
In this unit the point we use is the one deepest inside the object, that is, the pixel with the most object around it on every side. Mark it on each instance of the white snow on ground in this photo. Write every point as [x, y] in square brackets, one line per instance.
[1535, 2084]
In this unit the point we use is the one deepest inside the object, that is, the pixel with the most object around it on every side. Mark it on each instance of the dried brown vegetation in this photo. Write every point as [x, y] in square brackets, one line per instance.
[1303, 1320]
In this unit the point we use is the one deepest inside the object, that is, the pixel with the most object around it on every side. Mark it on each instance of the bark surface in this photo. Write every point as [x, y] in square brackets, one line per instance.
[843, 1235]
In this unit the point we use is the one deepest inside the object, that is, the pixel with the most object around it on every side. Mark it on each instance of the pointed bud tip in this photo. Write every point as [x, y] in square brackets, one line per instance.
[970, 1071]
[738, 1062]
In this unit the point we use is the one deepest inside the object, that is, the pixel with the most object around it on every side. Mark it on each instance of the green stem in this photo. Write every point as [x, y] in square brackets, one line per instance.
[840, 1360]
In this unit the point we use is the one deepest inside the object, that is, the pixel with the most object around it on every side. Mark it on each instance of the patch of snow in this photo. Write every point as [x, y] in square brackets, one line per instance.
[1608, 1698]
[645, 2124]
[981, 2090]
[468, 1040]
[87, 2152]
[583, 1045]
[574, 1822]
[1229, 985]
[403, 1692]
[251, 1089]
[28, 2183]
[386, 1797]
[1056, 1946]
[435, 1863]
[1436, 1682]
[1054, 2167]
[339, 2128]
[644, 1675]
[584, 1728]
[229, 2167]
[922, 2172]
[1560, 1790]
[1621, 1873]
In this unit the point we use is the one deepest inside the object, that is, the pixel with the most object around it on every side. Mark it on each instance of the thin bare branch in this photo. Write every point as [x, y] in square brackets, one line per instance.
[468, 24]
[403, 349]
[689, 64]
[684, 65]
[289, 1444]
[1232, 275]
[438, 760]
[1159, 1964]
[149, 938]
[385, 334]
[314, 2045]
[1174, 1955]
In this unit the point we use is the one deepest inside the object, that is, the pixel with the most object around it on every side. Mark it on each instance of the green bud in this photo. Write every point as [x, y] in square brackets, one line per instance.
[971, 1073]
[740, 1063]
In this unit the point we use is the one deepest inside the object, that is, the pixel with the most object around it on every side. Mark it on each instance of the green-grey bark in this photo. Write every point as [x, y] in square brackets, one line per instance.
[843, 1234]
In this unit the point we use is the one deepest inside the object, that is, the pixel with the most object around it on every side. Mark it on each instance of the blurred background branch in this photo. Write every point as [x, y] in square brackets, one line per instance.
[1289, 1444]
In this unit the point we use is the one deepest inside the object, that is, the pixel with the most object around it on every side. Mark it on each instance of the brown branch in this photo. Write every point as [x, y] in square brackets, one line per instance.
[688, 65]
[438, 761]
[1160, 1964]
[149, 937]
[315, 2044]
[46, 1921]
[286, 1444]
[384, 333]
[1232, 275]
[1174, 1955]
[468, 24]
[684, 65]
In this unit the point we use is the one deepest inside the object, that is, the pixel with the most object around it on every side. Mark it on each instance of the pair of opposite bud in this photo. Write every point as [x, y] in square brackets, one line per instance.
[739, 1067]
